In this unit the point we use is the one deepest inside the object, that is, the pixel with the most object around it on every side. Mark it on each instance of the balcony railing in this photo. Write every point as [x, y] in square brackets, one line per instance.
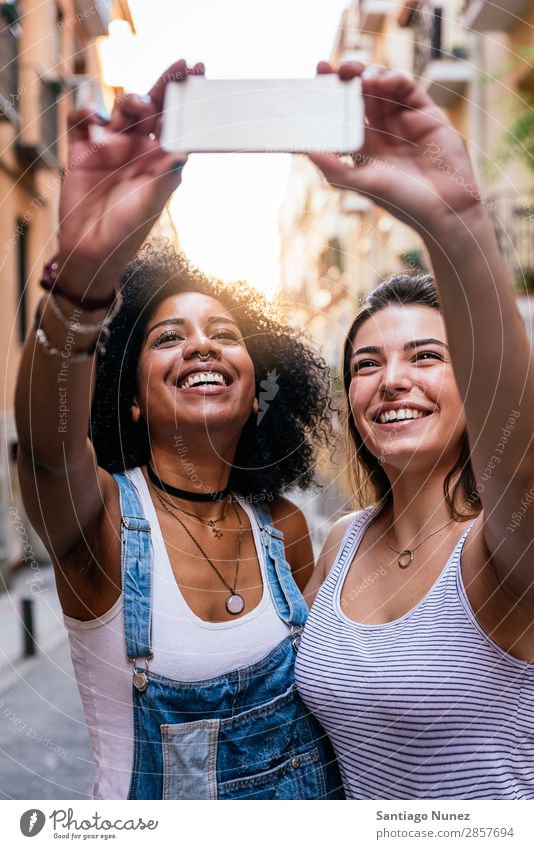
[513, 220]
[85, 89]
[49, 117]
[427, 37]
[480, 15]
[9, 74]
[439, 53]
[94, 16]
[37, 140]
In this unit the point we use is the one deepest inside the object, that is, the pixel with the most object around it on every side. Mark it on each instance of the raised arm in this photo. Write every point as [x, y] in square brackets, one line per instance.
[429, 185]
[116, 184]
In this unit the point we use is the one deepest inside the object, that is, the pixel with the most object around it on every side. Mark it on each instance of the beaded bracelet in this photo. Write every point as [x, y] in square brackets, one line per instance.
[98, 347]
[74, 324]
[49, 284]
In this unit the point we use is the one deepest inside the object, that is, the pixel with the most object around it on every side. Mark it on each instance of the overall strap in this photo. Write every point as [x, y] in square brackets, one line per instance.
[136, 563]
[287, 597]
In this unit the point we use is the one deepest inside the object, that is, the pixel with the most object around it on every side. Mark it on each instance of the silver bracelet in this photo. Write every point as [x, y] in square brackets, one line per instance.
[98, 347]
[74, 325]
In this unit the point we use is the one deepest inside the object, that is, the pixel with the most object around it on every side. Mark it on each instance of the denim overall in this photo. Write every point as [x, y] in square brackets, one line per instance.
[242, 735]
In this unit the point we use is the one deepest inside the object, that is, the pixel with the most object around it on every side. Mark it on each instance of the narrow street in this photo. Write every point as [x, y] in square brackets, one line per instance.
[45, 749]
[44, 743]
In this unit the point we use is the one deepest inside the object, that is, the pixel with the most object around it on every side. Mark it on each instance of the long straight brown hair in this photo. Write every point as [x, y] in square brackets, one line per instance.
[369, 482]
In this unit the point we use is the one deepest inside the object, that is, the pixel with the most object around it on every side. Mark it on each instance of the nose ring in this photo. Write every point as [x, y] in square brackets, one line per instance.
[203, 357]
[390, 393]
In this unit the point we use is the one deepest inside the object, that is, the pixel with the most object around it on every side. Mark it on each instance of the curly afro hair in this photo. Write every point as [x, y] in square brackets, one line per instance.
[271, 458]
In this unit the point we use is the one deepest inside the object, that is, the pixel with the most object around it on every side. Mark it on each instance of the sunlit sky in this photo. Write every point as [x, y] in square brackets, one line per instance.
[226, 210]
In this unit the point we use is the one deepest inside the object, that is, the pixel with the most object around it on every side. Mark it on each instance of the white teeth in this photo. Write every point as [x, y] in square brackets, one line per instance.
[400, 415]
[201, 377]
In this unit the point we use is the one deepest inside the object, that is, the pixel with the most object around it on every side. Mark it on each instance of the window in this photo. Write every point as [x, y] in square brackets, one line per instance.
[22, 272]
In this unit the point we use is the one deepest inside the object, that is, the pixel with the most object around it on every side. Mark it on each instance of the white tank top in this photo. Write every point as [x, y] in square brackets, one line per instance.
[186, 648]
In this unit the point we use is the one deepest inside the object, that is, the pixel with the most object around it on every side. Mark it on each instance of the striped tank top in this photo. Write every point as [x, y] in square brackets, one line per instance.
[424, 707]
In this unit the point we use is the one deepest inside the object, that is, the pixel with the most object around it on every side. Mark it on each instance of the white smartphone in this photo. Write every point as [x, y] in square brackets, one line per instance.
[322, 114]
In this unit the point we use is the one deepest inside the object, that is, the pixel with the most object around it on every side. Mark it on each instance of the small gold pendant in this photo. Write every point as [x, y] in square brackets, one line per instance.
[216, 531]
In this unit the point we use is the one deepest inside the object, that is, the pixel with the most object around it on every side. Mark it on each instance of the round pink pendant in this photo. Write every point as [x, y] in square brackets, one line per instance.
[235, 603]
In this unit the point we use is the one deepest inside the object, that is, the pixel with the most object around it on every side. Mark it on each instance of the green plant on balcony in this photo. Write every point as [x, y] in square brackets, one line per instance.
[459, 51]
[518, 140]
[56, 86]
[10, 13]
[413, 260]
[524, 282]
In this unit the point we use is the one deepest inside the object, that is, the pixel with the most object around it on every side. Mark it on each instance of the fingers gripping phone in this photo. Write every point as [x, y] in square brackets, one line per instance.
[322, 114]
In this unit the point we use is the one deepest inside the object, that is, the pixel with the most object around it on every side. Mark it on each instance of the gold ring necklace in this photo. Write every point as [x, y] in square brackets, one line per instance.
[405, 557]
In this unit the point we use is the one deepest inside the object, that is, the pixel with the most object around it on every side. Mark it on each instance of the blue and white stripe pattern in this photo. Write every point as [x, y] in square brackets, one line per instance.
[426, 706]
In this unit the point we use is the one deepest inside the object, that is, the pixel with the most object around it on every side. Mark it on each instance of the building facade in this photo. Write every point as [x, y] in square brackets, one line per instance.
[477, 61]
[50, 63]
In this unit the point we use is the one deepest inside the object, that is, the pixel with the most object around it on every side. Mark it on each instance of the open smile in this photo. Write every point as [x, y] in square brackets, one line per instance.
[211, 382]
[401, 417]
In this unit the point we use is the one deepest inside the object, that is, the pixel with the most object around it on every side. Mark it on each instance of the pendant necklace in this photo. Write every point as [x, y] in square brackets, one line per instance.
[235, 603]
[406, 557]
[211, 523]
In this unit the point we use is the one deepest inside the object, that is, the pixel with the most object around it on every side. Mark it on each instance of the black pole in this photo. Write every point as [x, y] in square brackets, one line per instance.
[437, 46]
[28, 631]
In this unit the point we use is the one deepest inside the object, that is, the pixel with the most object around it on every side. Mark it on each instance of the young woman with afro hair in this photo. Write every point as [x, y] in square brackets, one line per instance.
[179, 563]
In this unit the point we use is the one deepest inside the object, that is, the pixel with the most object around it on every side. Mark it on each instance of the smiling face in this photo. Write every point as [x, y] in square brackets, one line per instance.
[194, 371]
[403, 393]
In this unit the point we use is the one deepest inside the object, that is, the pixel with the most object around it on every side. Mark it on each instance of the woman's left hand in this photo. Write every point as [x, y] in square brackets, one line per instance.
[413, 163]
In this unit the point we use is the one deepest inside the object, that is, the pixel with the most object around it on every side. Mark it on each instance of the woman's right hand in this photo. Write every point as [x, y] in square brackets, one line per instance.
[115, 186]
[413, 162]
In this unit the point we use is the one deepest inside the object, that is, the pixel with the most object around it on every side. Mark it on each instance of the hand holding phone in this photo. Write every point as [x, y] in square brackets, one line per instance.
[323, 114]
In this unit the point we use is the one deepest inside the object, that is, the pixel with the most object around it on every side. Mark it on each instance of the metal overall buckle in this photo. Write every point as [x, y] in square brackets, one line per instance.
[140, 679]
[296, 631]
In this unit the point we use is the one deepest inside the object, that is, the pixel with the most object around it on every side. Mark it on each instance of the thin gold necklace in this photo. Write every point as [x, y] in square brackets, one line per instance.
[235, 603]
[211, 523]
[405, 557]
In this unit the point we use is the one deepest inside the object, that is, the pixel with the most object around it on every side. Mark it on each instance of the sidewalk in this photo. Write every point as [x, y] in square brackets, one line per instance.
[39, 586]
[45, 751]
[44, 742]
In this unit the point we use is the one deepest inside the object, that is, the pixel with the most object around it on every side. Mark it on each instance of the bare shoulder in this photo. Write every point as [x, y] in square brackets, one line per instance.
[290, 519]
[334, 540]
[327, 557]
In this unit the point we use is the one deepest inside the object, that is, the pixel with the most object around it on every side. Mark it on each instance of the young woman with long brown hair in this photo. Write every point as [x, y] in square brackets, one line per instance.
[418, 655]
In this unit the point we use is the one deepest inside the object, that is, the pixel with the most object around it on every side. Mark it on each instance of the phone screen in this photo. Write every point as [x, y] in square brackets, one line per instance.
[319, 114]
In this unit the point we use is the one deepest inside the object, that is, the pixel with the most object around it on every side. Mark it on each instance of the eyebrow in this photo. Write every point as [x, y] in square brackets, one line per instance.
[416, 343]
[173, 322]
